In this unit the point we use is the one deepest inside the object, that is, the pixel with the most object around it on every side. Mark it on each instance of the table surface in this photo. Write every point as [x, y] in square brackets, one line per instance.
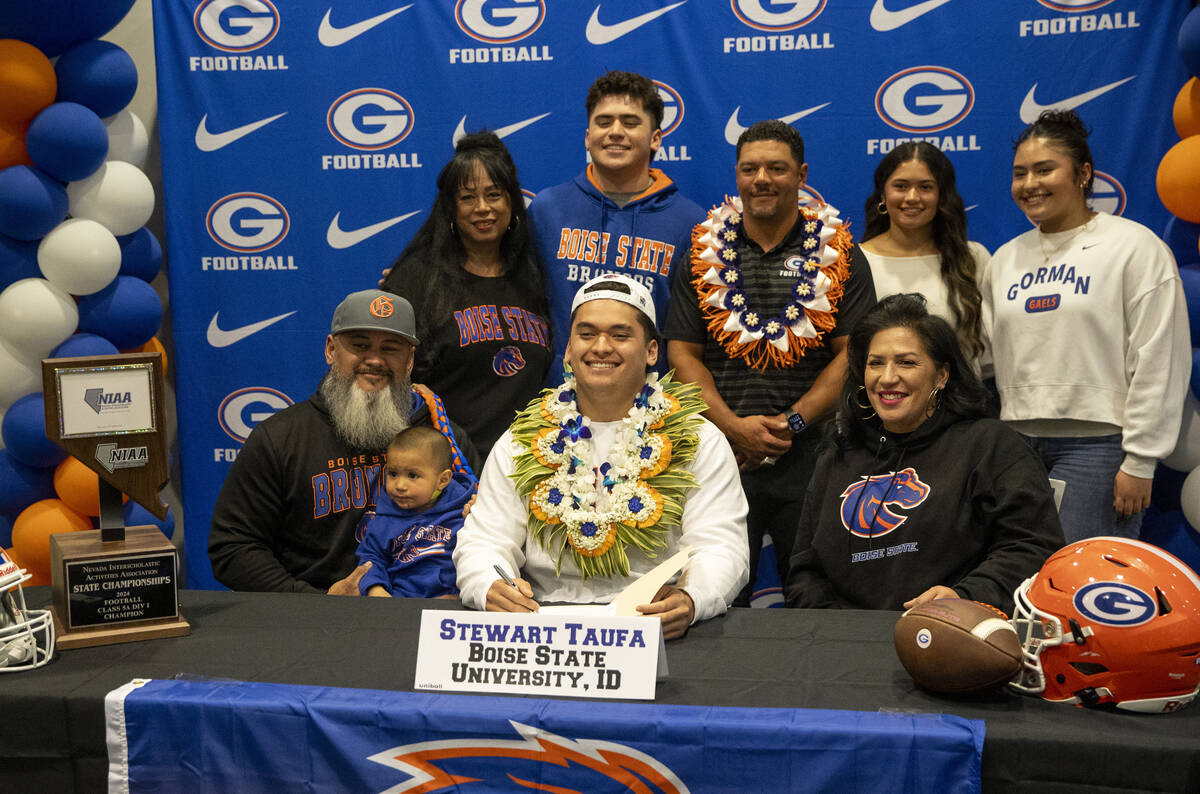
[52, 734]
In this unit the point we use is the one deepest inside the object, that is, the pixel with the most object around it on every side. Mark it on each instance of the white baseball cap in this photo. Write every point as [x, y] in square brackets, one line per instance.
[615, 287]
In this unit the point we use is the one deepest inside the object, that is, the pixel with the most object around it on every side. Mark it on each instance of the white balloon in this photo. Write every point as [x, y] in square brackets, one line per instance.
[127, 138]
[1186, 456]
[36, 317]
[79, 256]
[1189, 498]
[118, 196]
[20, 374]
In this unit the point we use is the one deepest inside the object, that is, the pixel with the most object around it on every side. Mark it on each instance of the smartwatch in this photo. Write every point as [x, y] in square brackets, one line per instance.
[796, 423]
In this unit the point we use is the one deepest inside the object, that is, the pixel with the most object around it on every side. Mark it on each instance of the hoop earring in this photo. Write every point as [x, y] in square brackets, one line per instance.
[931, 402]
[513, 222]
[867, 407]
[881, 207]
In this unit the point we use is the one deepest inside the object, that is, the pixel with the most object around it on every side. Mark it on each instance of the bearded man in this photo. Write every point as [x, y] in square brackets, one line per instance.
[288, 516]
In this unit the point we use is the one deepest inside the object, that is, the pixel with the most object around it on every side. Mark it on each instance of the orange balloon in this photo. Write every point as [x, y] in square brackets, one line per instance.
[78, 487]
[36, 579]
[27, 81]
[153, 346]
[12, 145]
[35, 525]
[1178, 179]
[1186, 112]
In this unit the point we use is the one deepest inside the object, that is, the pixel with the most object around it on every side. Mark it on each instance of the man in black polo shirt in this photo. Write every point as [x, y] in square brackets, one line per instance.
[760, 321]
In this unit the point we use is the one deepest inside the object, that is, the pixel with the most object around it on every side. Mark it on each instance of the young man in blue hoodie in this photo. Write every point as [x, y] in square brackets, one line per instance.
[618, 216]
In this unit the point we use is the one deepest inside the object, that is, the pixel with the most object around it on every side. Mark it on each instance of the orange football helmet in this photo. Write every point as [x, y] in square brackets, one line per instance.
[1111, 621]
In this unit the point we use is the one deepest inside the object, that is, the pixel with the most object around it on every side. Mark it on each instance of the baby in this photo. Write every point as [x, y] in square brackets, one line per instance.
[410, 539]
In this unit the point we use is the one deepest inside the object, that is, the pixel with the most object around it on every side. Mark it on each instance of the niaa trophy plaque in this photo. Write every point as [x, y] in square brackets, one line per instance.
[114, 584]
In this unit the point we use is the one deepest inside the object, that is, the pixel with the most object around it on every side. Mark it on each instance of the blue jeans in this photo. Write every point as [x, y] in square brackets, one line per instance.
[1088, 467]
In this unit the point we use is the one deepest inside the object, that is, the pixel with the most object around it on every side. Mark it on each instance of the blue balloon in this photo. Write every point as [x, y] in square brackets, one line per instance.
[22, 485]
[5, 531]
[1183, 238]
[24, 432]
[67, 141]
[85, 345]
[18, 260]
[55, 25]
[1189, 41]
[31, 202]
[141, 255]
[1190, 276]
[98, 75]
[136, 516]
[127, 312]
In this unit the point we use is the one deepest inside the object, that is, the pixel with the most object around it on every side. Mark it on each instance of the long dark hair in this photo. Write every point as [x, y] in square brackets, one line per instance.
[430, 268]
[1069, 134]
[963, 393]
[949, 234]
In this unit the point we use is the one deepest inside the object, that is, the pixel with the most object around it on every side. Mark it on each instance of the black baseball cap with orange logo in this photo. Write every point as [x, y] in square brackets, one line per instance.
[375, 310]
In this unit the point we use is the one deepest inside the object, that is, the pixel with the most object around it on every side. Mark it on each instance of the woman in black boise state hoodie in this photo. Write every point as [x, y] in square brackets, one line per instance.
[921, 496]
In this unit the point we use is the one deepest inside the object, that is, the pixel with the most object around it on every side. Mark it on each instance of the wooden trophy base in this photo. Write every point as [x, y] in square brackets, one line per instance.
[105, 593]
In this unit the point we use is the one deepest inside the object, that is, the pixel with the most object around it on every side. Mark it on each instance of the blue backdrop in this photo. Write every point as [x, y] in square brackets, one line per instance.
[301, 140]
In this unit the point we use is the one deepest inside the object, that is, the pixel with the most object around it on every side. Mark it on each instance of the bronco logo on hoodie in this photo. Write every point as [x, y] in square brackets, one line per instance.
[865, 503]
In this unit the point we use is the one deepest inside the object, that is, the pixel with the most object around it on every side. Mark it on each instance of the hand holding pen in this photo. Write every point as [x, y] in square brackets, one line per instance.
[509, 595]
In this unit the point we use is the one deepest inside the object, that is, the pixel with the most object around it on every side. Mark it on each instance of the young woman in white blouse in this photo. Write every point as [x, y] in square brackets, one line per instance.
[1088, 334]
[916, 239]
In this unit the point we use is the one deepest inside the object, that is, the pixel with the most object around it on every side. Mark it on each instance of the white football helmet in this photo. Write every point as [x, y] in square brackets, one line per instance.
[26, 635]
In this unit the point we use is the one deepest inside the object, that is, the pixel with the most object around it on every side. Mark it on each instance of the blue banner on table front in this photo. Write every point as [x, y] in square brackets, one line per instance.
[232, 737]
[301, 140]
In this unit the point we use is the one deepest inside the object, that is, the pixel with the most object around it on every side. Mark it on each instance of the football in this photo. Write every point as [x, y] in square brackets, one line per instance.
[954, 645]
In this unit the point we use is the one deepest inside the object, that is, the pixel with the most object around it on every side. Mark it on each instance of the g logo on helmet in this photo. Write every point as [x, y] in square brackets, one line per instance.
[247, 222]
[752, 13]
[672, 107]
[370, 118]
[1074, 6]
[382, 307]
[236, 25]
[1115, 604]
[499, 21]
[924, 99]
[238, 420]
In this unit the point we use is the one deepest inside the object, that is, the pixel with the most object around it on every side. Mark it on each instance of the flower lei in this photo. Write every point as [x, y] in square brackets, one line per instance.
[633, 499]
[746, 331]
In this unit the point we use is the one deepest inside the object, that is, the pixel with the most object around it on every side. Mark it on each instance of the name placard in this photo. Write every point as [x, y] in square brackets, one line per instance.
[533, 654]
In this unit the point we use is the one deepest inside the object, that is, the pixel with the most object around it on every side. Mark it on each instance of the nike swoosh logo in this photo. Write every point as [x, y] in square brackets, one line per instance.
[598, 33]
[211, 141]
[884, 20]
[332, 36]
[219, 338]
[1030, 109]
[734, 130]
[339, 238]
[1086, 247]
[502, 132]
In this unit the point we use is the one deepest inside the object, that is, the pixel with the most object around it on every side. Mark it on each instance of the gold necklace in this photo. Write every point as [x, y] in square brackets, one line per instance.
[1061, 246]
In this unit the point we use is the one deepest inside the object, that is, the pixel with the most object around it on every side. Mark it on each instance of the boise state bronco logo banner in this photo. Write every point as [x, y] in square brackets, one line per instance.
[192, 736]
[301, 140]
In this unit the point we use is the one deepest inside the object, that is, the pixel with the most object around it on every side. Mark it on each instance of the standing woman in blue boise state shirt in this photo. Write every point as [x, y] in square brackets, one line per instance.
[921, 495]
[916, 239]
[1088, 333]
[478, 292]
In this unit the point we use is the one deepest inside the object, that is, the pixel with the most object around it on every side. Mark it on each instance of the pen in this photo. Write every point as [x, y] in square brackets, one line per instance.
[507, 580]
